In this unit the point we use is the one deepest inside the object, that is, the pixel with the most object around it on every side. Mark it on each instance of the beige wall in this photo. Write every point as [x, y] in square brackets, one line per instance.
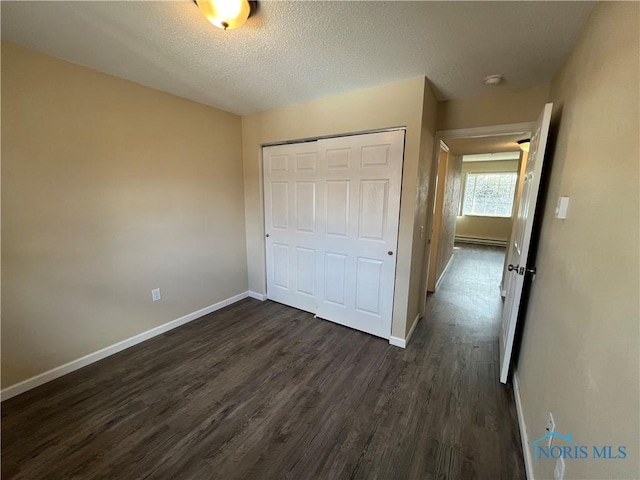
[422, 217]
[579, 356]
[499, 109]
[399, 104]
[441, 174]
[487, 228]
[446, 212]
[109, 189]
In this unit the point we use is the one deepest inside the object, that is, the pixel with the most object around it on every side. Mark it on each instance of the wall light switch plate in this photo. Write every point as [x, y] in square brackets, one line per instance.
[155, 294]
[562, 207]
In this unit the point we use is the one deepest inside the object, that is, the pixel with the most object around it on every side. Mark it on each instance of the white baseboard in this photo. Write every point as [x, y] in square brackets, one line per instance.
[57, 372]
[258, 296]
[403, 342]
[524, 436]
[481, 241]
[446, 267]
[413, 328]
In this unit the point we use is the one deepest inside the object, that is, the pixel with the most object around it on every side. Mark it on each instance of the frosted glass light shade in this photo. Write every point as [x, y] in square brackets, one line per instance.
[225, 14]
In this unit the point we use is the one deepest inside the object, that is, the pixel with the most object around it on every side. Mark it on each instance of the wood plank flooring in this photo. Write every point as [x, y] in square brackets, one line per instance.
[263, 391]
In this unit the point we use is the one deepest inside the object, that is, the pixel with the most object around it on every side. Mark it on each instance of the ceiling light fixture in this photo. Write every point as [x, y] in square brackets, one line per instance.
[495, 79]
[524, 144]
[226, 14]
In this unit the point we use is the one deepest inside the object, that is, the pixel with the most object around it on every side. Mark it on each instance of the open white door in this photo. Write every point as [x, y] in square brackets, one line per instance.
[519, 248]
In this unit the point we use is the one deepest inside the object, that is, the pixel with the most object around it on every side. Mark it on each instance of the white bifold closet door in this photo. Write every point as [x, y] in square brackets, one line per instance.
[331, 218]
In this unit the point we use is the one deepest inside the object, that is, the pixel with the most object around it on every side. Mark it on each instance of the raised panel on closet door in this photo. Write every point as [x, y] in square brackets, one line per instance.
[279, 205]
[373, 208]
[335, 278]
[280, 262]
[305, 271]
[305, 203]
[337, 207]
[368, 285]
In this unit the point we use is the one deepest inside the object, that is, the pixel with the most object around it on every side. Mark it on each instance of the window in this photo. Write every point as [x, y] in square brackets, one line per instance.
[489, 194]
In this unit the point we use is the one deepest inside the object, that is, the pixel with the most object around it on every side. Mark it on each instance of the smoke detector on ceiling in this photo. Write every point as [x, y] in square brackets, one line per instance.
[495, 79]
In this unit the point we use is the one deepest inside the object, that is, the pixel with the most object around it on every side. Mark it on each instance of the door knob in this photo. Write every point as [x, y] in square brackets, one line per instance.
[267, 235]
[389, 252]
[512, 268]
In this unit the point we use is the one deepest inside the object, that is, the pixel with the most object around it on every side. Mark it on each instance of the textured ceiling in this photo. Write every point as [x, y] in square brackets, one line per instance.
[294, 51]
[493, 144]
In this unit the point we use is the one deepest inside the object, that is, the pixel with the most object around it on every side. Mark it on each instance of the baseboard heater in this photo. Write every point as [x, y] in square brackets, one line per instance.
[482, 241]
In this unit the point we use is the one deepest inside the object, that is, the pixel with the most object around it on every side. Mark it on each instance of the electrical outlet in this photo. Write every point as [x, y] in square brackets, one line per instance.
[558, 472]
[551, 427]
[155, 294]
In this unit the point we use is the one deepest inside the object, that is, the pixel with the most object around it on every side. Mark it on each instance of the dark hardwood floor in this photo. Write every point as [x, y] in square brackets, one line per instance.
[263, 391]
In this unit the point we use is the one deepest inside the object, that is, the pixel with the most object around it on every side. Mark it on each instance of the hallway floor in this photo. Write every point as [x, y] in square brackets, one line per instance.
[259, 390]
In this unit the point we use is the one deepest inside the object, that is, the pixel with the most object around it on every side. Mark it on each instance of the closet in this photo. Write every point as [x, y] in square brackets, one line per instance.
[331, 225]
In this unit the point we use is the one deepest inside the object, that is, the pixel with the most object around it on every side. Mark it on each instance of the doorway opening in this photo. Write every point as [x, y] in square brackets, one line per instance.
[486, 193]
[476, 190]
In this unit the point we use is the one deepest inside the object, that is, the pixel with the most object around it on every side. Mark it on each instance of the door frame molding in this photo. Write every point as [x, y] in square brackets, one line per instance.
[333, 135]
[440, 137]
[490, 131]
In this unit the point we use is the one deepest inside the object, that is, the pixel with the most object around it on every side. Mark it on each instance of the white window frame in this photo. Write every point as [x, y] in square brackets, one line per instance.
[464, 189]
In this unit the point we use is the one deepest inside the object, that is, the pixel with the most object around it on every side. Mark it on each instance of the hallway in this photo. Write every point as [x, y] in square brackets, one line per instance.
[468, 297]
[463, 320]
[259, 390]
